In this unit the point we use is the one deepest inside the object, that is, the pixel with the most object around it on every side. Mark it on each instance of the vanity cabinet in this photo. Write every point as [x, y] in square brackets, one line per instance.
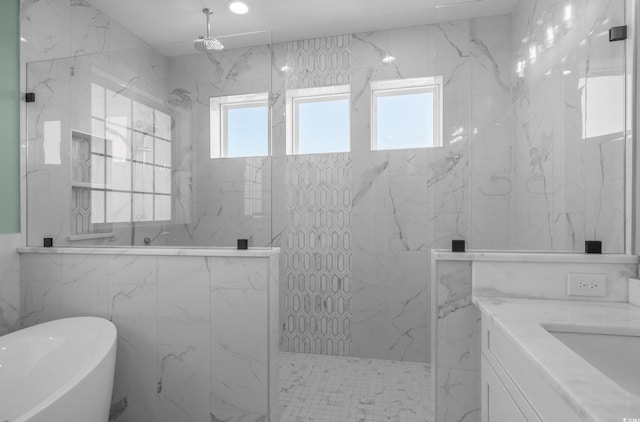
[513, 390]
[498, 404]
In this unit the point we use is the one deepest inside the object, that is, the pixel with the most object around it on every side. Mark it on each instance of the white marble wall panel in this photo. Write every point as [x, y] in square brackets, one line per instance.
[389, 206]
[183, 301]
[9, 283]
[239, 387]
[456, 339]
[196, 340]
[183, 377]
[133, 309]
[547, 281]
[84, 285]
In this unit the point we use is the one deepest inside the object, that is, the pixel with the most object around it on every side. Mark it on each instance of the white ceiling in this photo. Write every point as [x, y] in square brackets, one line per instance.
[163, 22]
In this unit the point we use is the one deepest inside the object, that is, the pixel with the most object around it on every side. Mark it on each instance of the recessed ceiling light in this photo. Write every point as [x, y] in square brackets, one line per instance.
[388, 59]
[238, 7]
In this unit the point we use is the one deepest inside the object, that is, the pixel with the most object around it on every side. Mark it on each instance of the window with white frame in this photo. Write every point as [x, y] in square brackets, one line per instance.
[406, 113]
[318, 120]
[129, 159]
[240, 126]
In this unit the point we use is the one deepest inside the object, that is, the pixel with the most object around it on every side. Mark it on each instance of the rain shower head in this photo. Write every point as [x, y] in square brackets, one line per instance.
[204, 44]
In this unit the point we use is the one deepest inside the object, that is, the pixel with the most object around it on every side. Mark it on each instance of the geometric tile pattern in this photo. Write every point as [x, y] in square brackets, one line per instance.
[336, 389]
[81, 172]
[319, 62]
[317, 252]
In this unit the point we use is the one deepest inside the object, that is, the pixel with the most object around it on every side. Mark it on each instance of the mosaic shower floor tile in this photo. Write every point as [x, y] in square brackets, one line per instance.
[317, 388]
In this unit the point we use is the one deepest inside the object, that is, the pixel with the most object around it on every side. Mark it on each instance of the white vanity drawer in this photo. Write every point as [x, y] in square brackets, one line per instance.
[533, 396]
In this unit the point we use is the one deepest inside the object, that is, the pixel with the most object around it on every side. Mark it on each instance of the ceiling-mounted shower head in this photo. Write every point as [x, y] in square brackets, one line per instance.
[204, 44]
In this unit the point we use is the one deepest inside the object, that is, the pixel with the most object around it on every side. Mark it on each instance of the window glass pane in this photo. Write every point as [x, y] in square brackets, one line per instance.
[142, 147]
[247, 131]
[163, 153]
[163, 207]
[97, 130]
[97, 206]
[142, 177]
[118, 174]
[97, 101]
[405, 121]
[142, 118]
[97, 169]
[119, 141]
[118, 109]
[323, 126]
[142, 207]
[163, 125]
[163, 180]
[118, 207]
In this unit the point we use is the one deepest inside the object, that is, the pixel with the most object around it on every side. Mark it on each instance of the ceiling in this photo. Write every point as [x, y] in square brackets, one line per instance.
[171, 25]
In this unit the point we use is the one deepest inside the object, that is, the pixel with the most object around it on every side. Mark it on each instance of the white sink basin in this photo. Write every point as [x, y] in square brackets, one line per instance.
[616, 356]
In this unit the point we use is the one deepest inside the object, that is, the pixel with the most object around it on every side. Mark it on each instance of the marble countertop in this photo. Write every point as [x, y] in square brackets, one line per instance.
[592, 395]
[155, 250]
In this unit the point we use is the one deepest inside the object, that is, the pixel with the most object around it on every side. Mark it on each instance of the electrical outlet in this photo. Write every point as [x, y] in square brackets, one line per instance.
[586, 284]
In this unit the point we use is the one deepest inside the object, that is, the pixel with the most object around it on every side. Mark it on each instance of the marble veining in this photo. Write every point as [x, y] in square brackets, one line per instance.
[180, 355]
[592, 395]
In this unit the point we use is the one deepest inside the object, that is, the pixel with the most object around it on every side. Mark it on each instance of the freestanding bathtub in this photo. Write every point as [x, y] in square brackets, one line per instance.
[59, 371]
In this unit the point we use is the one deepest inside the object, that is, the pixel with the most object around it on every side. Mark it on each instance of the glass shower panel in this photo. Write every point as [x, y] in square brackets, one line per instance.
[118, 150]
[603, 102]
[568, 144]
[230, 195]
[49, 169]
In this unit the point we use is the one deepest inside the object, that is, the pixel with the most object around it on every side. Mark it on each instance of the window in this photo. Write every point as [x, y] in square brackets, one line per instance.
[318, 120]
[240, 126]
[406, 113]
[129, 160]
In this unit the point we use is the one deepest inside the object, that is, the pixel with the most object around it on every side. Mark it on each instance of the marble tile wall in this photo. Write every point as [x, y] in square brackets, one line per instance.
[456, 342]
[9, 283]
[193, 331]
[540, 280]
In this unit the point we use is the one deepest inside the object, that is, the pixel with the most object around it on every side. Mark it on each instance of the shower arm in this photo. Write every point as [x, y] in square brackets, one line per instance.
[208, 12]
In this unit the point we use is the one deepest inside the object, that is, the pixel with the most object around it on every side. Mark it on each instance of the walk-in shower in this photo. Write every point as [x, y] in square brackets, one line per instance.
[355, 154]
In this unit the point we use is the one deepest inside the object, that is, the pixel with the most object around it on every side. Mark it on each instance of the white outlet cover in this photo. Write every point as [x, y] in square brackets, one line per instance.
[587, 285]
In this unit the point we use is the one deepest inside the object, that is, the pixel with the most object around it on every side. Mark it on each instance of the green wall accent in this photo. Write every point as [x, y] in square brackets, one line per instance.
[9, 116]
